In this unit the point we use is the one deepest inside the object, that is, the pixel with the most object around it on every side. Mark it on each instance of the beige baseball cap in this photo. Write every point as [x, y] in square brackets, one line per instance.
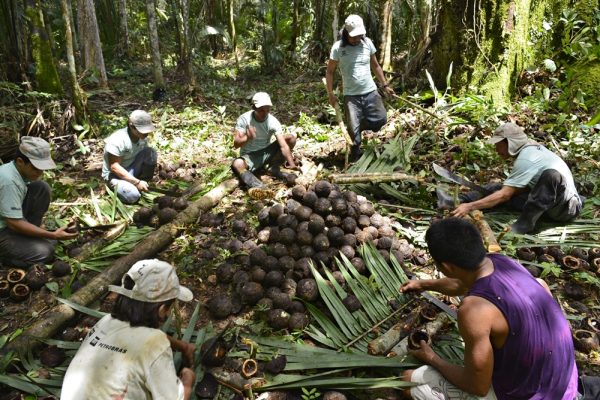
[142, 121]
[261, 99]
[155, 281]
[38, 152]
[354, 25]
[514, 134]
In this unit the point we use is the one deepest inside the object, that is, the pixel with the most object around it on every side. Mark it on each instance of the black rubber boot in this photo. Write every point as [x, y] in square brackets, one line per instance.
[528, 218]
[444, 200]
[256, 189]
[355, 153]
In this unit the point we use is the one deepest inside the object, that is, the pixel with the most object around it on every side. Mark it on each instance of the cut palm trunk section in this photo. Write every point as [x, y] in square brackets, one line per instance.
[431, 328]
[489, 238]
[371, 177]
[147, 248]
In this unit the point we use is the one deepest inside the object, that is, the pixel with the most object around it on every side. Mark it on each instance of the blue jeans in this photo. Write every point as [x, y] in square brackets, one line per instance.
[142, 167]
[364, 112]
[20, 250]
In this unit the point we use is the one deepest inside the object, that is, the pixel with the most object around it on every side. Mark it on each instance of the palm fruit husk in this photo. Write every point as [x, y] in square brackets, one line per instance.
[585, 341]
[525, 253]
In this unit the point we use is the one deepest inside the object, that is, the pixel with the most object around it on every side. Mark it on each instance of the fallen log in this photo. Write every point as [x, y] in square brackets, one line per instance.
[431, 328]
[148, 247]
[371, 177]
[489, 238]
[389, 339]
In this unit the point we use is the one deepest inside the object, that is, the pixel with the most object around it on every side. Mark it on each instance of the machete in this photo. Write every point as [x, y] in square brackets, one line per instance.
[451, 176]
[172, 191]
[76, 227]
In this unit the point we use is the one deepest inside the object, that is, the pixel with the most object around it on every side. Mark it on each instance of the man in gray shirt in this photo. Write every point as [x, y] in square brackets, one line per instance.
[355, 55]
[540, 183]
[128, 161]
[24, 199]
[253, 133]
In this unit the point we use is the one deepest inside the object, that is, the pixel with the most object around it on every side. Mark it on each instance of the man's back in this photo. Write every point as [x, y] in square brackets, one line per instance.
[537, 359]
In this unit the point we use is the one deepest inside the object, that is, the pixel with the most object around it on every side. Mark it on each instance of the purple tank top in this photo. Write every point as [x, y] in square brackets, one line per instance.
[537, 360]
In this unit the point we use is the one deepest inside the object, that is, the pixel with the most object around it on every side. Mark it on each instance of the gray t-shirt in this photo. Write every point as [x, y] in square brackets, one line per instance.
[12, 193]
[355, 65]
[120, 144]
[264, 131]
[531, 162]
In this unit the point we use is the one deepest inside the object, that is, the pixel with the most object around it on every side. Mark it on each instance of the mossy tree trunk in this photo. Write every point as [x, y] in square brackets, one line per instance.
[124, 29]
[159, 80]
[13, 43]
[295, 26]
[46, 75]
[490, 42]
[78, 97]
[231, 28]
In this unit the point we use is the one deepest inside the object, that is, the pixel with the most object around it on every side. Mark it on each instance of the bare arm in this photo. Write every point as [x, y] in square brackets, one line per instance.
[447, 286]
[475, 319]
[187, 350]
[331, 66]
[501, 196]
[241, 138]
[24, 227]
[285, 150]
[114, 164]
[188, 378]
[379, 75]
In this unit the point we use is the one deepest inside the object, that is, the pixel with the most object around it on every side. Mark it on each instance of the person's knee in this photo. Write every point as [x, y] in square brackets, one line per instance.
[128, 193]
[40, 188]
[406, 376]
[239, 165]
[550, 176]
[41, 251]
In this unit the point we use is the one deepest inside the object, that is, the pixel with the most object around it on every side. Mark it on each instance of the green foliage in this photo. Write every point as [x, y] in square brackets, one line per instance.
[312, 394]
[587, 278]
[550, 269]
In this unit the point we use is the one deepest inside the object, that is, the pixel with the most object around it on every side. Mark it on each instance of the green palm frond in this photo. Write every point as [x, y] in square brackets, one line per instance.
[355, 330]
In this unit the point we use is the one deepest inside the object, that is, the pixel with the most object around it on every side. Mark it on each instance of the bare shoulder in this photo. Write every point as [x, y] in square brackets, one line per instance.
[479, 317]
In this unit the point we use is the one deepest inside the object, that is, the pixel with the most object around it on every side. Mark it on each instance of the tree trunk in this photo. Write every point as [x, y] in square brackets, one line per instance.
[385, 46]
[491, 42]
[90, 39]
[185, 43]
[335, 23]
[231, 26]
[371, 177]
[78, 97]
[154, 242]
[295, 26]
[159, 81]
[319, 48]
[46, 75]
[13, 43]
[124, 28]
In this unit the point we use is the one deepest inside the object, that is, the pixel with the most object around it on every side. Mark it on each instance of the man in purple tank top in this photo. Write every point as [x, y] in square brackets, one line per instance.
[517, 341]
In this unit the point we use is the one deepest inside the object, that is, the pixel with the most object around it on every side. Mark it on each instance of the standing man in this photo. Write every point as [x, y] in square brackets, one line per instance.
[518, 343]
[24, 199]
[252, 135]
[540, 183]
[128, 161]
[355, 55]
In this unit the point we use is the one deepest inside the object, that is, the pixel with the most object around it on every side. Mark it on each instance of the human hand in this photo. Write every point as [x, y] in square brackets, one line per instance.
[412, 286]
[251, 132]
[64, 233]
[462, 210]
[142, 186]
[424, 353]
[332, 99]
[388, 91]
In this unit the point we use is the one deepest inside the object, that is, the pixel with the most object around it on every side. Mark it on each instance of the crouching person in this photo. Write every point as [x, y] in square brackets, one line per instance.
[125, 355]
[24, 200]
[128, 162]
[252, 135]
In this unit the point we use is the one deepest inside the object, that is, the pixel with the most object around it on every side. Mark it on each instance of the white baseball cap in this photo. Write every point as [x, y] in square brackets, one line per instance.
[155, 281]
[38, 152]
[354, 25]
[261, 99]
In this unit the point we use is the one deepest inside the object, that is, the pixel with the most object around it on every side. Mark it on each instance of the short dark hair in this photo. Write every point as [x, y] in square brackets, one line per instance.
[456, 241]
[137, 313]
[22, 156]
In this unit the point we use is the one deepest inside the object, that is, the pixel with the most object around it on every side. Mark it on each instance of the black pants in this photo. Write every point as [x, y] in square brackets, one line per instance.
[547, 196]
[20, 250]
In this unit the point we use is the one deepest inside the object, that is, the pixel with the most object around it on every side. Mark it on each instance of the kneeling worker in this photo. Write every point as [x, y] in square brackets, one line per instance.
[539, 184]
[24, 199]
[128, 161]
[252, 135]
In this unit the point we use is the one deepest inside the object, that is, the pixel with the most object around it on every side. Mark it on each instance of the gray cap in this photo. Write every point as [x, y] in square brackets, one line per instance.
[142, 121]
[514, 134]
[38, 152]
[354, 25]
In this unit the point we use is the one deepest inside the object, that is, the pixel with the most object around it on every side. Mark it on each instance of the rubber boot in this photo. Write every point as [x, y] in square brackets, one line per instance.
[256, 189]
[528, 218]
[444, 200]
[355, 153]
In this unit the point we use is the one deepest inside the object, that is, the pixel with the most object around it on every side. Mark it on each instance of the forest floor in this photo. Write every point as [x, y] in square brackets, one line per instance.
[194, 142]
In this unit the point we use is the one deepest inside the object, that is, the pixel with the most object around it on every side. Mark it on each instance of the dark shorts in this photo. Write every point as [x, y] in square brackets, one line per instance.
[258, 159]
